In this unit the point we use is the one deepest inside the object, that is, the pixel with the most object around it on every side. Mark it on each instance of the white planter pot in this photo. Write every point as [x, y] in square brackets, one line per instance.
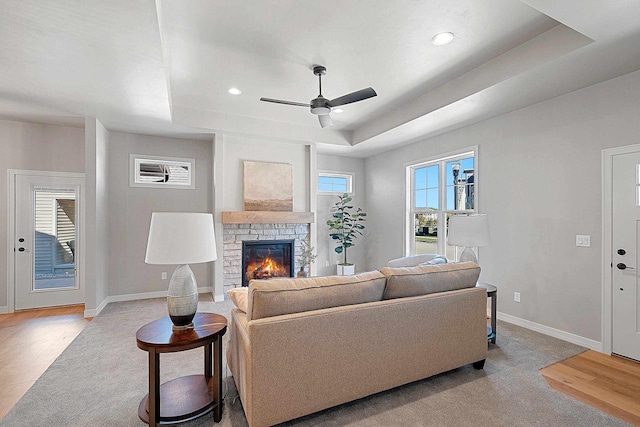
[346, 270]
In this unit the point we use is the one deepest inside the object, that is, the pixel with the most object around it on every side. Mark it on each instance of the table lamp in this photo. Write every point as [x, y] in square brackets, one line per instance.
[469, 231]
[181, 238]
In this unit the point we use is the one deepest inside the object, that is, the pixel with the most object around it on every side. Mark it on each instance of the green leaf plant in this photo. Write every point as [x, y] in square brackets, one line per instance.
[346, 225]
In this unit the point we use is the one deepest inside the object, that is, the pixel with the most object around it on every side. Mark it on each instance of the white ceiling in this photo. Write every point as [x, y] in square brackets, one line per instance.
[165, 67]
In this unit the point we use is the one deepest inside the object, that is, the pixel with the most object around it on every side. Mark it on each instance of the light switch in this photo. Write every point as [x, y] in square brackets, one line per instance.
[583, 240]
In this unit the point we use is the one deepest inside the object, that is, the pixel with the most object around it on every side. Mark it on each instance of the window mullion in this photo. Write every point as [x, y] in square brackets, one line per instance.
[442, 224]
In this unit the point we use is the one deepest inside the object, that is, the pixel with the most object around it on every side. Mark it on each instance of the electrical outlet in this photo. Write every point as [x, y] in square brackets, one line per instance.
[326, 264]
[164, 275]
[516, 296]
[583, 241]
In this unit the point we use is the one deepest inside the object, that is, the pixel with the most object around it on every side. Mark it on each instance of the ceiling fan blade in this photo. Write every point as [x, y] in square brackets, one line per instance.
[279, 101]
[353, 97]
[325, 120]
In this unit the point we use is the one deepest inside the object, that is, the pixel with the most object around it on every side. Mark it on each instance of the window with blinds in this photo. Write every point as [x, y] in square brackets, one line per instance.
[152, 171]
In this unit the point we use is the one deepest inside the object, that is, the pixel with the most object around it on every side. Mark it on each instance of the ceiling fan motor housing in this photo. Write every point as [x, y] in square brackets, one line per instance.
[320, 106]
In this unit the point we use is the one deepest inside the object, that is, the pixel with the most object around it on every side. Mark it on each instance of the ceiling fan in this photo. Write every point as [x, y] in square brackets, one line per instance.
[321, 106]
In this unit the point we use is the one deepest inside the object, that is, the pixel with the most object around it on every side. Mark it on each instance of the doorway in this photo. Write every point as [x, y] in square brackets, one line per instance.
[621, 226]
[45, 244]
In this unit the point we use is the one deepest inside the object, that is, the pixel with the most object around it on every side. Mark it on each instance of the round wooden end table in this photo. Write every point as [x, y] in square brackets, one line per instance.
[492, 292]
[184, 398]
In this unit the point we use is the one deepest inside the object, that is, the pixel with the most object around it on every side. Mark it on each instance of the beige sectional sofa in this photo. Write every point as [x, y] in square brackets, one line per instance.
[303, 345]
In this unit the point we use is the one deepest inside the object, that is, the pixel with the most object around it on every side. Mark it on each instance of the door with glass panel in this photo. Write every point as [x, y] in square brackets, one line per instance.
[46, 243]
[625, 265]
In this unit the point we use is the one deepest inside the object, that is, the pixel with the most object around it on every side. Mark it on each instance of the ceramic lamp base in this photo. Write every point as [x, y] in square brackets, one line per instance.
[176, 328]
[468, 255]
[182, 298]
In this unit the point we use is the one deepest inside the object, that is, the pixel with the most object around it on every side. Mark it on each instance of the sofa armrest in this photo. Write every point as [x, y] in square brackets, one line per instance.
[412, 261]
[239, 357]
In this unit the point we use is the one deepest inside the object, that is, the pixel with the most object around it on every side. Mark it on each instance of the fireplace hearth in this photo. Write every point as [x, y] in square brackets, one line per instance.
[267, 259]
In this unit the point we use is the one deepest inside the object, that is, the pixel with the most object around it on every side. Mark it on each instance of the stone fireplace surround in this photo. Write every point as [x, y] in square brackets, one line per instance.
[242, 226]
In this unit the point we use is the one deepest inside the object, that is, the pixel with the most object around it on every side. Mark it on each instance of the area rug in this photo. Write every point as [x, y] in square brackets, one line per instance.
[101, 377]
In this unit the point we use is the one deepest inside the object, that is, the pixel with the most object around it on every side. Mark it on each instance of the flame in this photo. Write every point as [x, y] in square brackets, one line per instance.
[265, 269]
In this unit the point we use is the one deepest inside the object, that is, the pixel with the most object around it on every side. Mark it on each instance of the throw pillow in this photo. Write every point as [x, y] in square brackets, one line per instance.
[437, 260]
[239, 297]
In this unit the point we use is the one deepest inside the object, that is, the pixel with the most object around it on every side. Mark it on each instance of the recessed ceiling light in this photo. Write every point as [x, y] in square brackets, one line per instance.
[338, 110]
[442, 39]
[235, 91]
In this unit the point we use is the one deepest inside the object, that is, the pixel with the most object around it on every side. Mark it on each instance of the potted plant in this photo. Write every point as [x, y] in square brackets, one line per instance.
[306, 257]
[344, 228]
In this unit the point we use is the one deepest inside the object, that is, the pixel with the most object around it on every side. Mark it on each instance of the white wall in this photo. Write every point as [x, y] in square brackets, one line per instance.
[130, 208]
[93, 243]
[540, 182]
[34, 147]
[325, 244]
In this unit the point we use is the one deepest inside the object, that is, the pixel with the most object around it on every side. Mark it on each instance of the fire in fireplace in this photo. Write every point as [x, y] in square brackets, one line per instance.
[266, 259]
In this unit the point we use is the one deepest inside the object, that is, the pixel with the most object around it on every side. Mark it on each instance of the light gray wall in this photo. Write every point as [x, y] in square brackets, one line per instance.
[237, 149]
[130, 210]
[539, 180]
[34, 147]
[326, 246]
[93, 243]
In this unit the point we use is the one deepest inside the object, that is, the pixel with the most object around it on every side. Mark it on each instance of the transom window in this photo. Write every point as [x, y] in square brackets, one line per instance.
[438, 189]
[167, 172]
[332, 183]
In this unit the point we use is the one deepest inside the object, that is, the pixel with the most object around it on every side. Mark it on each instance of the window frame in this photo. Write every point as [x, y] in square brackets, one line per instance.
[350, 176]
[442, 211]
[134, 171]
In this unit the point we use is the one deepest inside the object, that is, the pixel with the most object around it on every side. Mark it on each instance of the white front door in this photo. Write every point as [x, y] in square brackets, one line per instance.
[626, 236]
[46, 244]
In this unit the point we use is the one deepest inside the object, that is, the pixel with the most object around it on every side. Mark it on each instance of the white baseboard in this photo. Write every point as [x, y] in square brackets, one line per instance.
[96, 311]
[4, 309]
[134, 297]
[552, 332]
[218, 298]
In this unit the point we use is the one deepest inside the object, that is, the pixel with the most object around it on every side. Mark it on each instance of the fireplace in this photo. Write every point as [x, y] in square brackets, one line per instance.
[266, 259]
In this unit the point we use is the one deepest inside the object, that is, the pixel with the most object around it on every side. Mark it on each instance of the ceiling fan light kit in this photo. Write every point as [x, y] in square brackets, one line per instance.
[321, 106]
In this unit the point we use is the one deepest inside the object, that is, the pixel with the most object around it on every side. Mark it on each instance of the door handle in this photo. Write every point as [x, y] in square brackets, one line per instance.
[23, 250]
[623, 266]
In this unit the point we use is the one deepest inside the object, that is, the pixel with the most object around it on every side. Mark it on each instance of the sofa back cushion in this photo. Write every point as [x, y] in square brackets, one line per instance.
[428, 279]
[279, 296]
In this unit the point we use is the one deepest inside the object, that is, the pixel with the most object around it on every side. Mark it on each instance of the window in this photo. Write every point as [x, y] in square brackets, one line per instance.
[335, 182]
[152, 171]
[438, 189]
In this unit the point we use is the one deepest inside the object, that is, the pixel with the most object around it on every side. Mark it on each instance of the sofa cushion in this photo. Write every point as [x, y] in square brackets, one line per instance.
[427, 279]
[277, 296]
[239, 297]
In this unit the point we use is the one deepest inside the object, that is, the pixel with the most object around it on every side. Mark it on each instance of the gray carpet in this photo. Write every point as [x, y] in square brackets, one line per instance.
[101, 377]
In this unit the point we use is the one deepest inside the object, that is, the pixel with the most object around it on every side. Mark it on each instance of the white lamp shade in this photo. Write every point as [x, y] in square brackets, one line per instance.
[469, 230]
[181, 238]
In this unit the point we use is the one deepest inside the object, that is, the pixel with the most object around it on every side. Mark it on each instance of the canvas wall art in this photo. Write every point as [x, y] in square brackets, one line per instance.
[268, 186]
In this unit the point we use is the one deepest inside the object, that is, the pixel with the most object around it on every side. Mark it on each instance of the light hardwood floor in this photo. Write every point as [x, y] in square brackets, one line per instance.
[29, 342]
[609, 383]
